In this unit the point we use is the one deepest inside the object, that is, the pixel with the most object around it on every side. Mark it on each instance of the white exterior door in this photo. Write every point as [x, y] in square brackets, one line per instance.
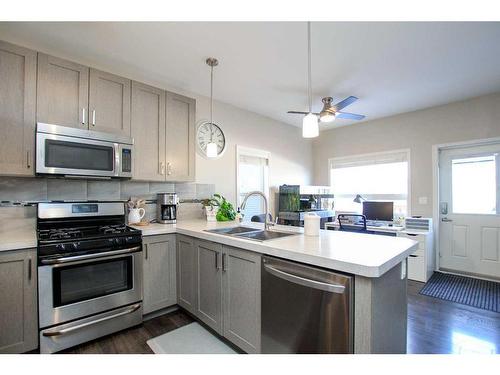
[469, 227]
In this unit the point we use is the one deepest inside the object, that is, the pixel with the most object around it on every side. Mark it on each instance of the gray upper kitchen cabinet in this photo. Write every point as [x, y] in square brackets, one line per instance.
[62, 92]
[148, 131]
[159, 272]
[17, 109]
[209, 284]
[180, 142]
[109, 103]
[241, 298]
[18, 301]
[186, 273]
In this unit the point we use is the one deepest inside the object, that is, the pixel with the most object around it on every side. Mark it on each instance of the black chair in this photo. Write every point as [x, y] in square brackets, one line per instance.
[261, 218]
[352, 222]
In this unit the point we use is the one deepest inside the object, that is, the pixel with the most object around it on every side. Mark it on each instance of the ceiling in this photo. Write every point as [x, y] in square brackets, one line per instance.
[392, 67]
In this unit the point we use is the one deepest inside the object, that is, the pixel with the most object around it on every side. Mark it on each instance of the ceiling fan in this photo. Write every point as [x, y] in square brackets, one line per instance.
[332, 111]
[310, 125]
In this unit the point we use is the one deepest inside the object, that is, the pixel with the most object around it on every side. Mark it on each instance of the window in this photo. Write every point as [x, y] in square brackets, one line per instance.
[252, 175]
[376, 177]
[474, 185]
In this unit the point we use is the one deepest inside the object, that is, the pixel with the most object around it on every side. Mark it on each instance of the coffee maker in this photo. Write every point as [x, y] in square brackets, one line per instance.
[166, 208]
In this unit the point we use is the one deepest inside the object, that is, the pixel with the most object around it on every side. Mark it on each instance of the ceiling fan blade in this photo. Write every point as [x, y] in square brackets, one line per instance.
[302, 113]
[298, 113]
[344, 103]
[349, 116]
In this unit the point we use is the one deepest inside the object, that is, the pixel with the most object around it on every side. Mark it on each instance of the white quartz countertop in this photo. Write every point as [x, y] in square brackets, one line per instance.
[360, 254]
[17, 234]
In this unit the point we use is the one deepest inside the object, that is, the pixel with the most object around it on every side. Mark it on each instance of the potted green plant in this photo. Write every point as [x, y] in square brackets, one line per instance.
[218, 208]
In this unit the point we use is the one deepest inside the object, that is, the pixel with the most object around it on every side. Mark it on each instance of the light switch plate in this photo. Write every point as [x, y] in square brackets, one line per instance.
[422, 200]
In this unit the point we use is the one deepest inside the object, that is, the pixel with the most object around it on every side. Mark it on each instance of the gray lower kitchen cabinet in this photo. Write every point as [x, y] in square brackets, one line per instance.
[186, 273]
[62, 92]
[109, 103]
[180, 129]
[17, 109]
[159, 272]
[241, 298]
[209, 284]
[148, 131]
[18, 301]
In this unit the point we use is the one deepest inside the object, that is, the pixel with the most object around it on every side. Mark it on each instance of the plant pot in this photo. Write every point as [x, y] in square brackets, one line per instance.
[211, 213]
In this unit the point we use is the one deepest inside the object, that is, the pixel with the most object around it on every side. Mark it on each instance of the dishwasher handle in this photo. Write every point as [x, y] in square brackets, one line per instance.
[327, 287]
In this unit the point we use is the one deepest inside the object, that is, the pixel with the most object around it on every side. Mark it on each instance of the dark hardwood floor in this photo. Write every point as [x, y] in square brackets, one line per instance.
[434, 326]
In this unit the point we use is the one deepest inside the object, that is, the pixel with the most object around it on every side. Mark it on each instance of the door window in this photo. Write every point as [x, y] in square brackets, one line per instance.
[474, 185]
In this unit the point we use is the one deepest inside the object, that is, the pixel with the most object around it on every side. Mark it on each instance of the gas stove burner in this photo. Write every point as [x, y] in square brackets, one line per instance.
[59, 234]
[112, 229]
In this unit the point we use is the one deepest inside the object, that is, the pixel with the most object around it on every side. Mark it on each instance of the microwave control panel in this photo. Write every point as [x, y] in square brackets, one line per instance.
[126, 160]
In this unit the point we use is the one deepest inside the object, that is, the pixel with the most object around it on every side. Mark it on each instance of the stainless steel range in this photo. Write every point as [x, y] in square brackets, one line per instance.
[89, 272]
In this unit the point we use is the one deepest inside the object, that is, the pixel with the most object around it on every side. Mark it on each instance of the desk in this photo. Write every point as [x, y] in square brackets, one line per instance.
[382, 230]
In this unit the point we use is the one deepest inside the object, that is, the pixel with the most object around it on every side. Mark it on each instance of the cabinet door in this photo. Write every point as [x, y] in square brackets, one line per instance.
[18, 304]
[186, 273]
[148, 131]
[159, 272]
[209, 284]
[62, 93]
[17, 109]
[109, 103]
[180, 152]
[241, 299]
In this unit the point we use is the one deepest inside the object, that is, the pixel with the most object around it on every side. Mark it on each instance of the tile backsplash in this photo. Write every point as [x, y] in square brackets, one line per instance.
[40, 189]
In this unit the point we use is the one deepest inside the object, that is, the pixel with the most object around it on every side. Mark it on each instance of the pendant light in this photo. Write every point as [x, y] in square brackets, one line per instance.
[211, 146]
[310, 126]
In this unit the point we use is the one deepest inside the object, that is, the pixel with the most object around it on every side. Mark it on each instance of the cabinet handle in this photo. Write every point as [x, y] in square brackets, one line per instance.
[216, 260]
[28, 159]
[83, 116]
[29, 269]
[224, 265]
[93, 117]
[146, 251]
[169, 168]
[162, 168]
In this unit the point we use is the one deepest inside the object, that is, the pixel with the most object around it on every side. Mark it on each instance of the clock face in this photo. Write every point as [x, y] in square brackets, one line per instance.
[210, 132]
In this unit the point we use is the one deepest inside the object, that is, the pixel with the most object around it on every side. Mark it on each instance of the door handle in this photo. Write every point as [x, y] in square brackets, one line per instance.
[29, 269]
[446, 220]
[327, 287]
[91, 323]
[224, 265]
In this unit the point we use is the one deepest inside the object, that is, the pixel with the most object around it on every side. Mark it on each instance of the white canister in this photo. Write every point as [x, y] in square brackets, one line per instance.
[311, 224]
[135, 215]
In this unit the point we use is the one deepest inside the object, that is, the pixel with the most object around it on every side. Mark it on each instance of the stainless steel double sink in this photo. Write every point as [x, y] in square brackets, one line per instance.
[250, 233]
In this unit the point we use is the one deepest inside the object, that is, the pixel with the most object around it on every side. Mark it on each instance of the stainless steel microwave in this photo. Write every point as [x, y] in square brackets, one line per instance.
[77, 152]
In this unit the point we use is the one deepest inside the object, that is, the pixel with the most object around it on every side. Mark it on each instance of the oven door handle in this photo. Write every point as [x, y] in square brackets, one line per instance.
[84, 325]
[90, 256]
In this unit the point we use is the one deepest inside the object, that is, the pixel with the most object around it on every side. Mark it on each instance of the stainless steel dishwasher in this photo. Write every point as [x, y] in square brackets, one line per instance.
[305, 309]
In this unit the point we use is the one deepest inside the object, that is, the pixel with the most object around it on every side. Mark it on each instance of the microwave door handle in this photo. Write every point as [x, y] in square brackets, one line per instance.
[118, 155]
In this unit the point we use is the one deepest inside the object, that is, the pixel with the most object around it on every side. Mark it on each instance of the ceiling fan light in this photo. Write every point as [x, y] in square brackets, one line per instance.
[310, 126]
[211, 150]
[326, 116]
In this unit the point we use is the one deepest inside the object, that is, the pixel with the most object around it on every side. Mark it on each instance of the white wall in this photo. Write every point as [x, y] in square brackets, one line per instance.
[291, 155]
[467, 120]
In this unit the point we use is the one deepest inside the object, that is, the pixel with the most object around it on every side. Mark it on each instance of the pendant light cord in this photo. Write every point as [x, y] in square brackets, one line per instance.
[211, 100]
[309, 79]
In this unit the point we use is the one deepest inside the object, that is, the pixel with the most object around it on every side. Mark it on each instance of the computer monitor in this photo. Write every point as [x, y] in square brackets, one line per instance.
[378, 211]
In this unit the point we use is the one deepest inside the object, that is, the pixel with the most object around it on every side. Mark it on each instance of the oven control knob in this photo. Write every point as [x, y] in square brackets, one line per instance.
[61, 247]
[75, 245]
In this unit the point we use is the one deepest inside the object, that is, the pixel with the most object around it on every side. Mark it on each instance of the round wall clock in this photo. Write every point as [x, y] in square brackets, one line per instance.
[209, 132]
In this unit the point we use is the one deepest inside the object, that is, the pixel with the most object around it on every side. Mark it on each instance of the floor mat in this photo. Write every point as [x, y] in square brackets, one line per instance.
[478, 293]
[189, 339]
